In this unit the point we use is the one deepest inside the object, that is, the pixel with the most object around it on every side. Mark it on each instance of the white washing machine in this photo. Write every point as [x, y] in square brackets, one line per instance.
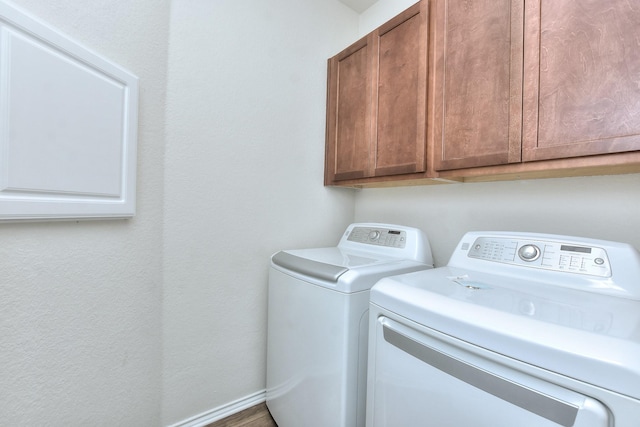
[527, 330]
[318, 322]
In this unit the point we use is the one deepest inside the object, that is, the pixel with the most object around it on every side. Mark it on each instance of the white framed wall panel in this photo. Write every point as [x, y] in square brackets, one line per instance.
[68, 126]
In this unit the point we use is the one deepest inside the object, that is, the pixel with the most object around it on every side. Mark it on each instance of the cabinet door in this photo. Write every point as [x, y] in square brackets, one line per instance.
[582, 78]
[376, 101]
[477, 94]
[349, 109]
[399, 131]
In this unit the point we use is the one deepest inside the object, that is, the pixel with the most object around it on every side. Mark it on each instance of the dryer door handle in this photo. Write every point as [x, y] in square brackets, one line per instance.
[558, 411]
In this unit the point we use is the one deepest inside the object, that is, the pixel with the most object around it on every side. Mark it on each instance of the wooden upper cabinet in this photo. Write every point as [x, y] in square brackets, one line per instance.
[582, 78]
[349, 109]
[401, 118]
[477, 83]
[376, 101]
[514, 88]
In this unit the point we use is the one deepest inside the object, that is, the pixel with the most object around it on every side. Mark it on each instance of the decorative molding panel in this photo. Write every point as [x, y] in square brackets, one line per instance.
[68, 126]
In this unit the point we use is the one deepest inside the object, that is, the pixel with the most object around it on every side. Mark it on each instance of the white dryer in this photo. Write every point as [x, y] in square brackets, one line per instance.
[519, 329]
[318, 322]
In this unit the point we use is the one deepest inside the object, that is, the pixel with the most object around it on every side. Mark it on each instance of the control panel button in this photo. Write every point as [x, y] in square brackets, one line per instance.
[529, 253]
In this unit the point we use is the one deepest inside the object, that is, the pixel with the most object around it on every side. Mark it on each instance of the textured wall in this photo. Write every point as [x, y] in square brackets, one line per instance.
[380, 12]
[80, 302]
[244, 174]
[606, 207]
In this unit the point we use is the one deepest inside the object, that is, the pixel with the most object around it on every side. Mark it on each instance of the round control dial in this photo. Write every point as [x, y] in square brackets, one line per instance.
[374, 235]
[529, 253]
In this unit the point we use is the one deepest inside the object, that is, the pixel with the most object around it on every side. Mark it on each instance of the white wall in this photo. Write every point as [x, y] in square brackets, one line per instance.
[605, 207]
[80, 302]
[87, 309]
[380, 12]
[243, 179]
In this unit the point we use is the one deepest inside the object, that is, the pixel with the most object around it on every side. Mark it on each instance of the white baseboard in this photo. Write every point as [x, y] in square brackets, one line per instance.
[223, 411]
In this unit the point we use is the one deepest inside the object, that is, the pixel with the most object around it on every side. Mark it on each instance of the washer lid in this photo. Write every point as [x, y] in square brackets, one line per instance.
[591, 337]
[342, 270]
[308, 266]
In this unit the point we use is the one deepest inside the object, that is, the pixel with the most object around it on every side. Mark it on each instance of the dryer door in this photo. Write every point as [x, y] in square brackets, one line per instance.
[420, 377]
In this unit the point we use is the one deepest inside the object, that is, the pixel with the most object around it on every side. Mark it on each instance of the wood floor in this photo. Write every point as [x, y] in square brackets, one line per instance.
[256, 416]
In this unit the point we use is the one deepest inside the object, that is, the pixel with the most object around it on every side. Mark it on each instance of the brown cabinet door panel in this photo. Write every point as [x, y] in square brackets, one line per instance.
[400, 125]
[582, 78]
[349, 113]
[478, 83]
[377, 101]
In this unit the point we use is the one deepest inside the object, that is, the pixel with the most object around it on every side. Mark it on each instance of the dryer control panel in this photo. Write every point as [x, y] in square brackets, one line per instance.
[599, 266]
[548, 255]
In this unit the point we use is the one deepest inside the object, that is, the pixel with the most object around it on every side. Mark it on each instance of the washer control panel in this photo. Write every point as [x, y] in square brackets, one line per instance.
[547, 255]
[379, 236]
